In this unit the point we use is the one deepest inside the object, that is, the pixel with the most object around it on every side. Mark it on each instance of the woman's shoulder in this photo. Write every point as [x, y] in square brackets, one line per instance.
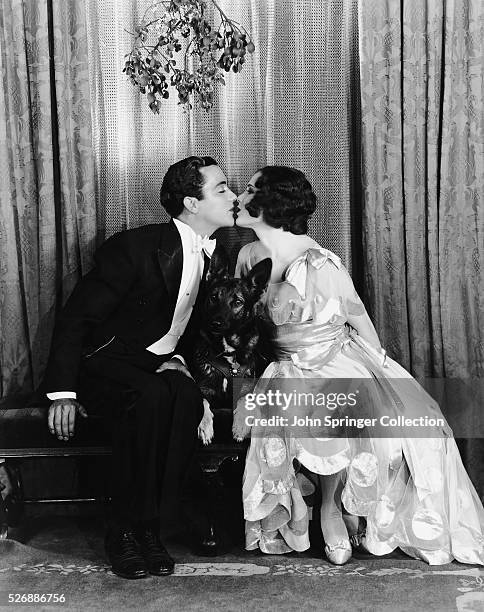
[248, 256]
[318, 256]
[253, 252]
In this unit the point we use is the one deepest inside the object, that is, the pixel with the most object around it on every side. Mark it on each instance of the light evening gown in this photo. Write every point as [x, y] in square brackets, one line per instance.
[414, 492]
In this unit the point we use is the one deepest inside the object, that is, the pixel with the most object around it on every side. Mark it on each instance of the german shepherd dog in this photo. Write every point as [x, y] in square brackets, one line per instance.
[235, 335]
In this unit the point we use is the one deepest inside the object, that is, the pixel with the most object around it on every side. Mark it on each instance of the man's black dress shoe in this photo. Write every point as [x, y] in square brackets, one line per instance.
[157, 559]
[124, 555]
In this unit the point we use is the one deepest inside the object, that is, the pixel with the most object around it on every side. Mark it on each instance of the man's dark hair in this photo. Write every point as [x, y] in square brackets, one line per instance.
[183, 179]
[285, 197]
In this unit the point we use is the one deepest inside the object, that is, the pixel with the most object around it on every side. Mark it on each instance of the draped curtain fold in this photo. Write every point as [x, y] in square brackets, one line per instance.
[82, 156]
[423, 179]
[422, 93]
[294, 103]
[47, 204]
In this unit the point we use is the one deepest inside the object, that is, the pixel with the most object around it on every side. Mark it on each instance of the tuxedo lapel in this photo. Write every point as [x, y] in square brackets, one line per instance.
[203, 281]
[206, 266]
[170, 258]
[219, 249]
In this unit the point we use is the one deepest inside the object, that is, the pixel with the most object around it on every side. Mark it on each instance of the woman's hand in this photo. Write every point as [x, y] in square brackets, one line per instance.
[366, 330]
[447, 430]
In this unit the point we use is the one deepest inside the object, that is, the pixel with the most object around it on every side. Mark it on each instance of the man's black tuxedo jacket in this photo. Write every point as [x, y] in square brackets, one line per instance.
[131, 294]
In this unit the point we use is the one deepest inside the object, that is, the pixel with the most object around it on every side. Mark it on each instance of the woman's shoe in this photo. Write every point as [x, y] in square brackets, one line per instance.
[339, 553]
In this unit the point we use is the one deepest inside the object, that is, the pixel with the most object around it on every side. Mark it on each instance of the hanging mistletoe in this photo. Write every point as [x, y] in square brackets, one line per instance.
[180, 28]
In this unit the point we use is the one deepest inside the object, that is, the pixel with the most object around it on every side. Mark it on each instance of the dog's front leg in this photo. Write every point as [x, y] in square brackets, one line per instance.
[205, 429]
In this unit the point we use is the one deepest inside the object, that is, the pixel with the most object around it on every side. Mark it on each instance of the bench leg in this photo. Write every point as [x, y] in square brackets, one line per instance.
[219, 495]
[11, 504]
[3, 520]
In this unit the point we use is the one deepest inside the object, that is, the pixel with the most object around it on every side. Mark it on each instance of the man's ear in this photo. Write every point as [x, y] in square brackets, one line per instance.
[259, 276]
[219, 264]
[190, 203]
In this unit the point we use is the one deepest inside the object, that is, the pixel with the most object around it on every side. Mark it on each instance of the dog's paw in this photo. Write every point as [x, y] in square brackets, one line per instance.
[240, 430]
[205, 435]
[205, 429]
[239, 437]
[205, 439]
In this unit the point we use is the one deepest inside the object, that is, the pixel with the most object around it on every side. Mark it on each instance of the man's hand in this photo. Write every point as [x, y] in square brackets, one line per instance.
[174, 364]
[62, 417]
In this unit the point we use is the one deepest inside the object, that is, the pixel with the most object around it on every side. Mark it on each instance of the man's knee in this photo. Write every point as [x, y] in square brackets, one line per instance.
[154, 390]
[185, 393]
[183, 386]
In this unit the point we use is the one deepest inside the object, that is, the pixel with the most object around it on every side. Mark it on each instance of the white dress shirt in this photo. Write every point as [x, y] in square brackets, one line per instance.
[192, 272]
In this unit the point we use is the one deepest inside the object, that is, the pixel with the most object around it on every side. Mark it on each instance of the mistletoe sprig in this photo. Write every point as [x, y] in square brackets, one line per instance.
[182, 26]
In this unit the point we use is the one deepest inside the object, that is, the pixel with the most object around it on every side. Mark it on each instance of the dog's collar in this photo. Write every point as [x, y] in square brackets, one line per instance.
[234, 368]
[228, 369]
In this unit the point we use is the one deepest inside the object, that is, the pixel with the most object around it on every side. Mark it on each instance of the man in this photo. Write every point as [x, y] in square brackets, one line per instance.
[118, 347]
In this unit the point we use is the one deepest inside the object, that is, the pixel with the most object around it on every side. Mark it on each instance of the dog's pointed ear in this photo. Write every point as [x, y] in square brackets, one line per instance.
[259, 276]
[219, 264]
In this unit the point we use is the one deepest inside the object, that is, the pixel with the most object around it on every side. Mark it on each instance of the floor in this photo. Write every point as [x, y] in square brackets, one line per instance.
[62, 554]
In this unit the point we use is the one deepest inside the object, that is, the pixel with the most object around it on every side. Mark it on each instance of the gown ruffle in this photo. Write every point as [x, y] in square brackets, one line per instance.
[414, 492]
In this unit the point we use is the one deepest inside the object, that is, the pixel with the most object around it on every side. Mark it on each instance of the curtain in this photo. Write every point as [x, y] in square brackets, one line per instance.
[82, 156]
[423, 179]
[47, 186]
[295, 103]
[422, 109]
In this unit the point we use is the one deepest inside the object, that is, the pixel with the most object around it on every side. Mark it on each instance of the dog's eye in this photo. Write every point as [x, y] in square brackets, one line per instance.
[238, 302]
[213, 297]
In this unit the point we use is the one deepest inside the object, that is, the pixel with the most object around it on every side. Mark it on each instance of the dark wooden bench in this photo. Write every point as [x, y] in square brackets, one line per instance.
[24, 435]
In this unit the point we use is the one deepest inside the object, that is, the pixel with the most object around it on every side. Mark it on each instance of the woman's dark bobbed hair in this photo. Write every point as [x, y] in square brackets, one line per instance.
[285, 198]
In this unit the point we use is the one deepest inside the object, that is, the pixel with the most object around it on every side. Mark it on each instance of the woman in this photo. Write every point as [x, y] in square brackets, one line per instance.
[413, 492]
